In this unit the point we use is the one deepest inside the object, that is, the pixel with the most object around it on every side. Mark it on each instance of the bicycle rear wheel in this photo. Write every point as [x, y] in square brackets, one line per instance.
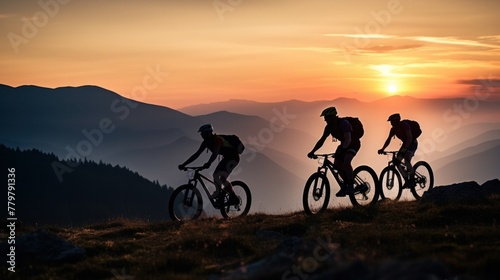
[391, 184]
[244, 195]
[185, 203]
[365, 186]
[424, 179]
[316, 194]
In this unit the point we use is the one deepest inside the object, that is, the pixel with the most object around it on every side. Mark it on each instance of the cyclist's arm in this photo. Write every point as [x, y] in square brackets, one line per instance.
[322, 140]
[192, 158]
[388, 140]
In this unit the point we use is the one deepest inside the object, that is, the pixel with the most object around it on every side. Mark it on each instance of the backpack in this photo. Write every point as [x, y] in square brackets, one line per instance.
[415, 128]
[235, 142]
[357, 127]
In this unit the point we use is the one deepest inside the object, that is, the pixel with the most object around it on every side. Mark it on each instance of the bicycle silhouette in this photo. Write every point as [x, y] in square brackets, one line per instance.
[317, 189]
[391, 182]
[186, 202]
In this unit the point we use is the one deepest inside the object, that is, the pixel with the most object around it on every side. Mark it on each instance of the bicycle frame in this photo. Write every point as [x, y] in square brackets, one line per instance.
[396, 162]
[316, 196]
[328, 165]
[198, 177]
[423, 177]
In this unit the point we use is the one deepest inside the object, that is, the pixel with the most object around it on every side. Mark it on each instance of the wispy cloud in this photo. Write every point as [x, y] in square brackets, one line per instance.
[492, 85]
[2, 16]
[371, 36]
[492, 37]
[428, 39]
[387, 48]
[452, 41]
[387, 70]
[312, 49]
[491, 82]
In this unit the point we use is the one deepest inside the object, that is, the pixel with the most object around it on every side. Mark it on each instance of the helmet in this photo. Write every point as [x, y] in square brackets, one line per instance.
[330, 111]
[206, 128]
[394, 117]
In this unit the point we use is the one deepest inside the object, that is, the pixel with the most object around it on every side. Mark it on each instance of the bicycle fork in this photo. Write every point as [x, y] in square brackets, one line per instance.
[318, 190]
[390, 179]
[189, 194]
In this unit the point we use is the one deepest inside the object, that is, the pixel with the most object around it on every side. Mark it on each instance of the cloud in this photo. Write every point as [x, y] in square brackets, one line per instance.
[483, 41]
[491, 37]
[366, 36]
[2, 16]
[387, 48]
[452, 41]
[493, 85]
[312, 49]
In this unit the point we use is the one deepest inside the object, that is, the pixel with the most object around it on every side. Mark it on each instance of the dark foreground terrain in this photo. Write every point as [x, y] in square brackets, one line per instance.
[393, 240]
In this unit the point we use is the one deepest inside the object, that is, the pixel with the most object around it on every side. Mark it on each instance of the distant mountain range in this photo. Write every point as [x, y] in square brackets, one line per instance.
[93, 123]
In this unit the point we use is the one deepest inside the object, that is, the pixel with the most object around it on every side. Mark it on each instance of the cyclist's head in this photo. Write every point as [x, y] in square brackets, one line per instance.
[394, 118]
[206, 129]
[329, 113]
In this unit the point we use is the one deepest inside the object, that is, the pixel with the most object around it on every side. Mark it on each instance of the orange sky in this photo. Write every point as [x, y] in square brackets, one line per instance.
[181, 52]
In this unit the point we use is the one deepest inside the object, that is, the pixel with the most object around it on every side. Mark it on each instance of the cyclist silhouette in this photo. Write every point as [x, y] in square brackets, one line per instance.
[218, 146]
[403, 130]
[341, 129]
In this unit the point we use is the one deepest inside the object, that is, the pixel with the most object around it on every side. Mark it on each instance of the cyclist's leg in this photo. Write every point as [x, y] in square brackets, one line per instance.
[338, 163]
[344, 163]
[222, 171]
[351, 152]
[408, 157]
[347, 167]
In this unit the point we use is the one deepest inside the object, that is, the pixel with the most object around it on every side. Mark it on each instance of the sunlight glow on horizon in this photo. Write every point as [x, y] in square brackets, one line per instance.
[264, 50]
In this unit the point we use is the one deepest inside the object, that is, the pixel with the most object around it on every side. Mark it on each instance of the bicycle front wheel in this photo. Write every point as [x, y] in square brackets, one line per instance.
[316, 194]
[244, 195]
[424, 179]
[185, 203]
[391, 184]
[365, 186]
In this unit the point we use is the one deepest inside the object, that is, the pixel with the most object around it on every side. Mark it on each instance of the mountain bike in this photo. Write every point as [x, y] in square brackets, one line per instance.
[317, 189]
[186, 202]
[392, 185]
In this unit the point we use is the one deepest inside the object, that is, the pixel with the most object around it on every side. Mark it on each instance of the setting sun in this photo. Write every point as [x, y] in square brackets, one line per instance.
[392, 88]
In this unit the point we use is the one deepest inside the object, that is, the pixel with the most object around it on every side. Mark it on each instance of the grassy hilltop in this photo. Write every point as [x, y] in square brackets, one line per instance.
[465, 238]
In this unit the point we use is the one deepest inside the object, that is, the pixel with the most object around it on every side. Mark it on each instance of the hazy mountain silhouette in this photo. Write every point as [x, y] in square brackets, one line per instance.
[445, 122]
[474, 165]
[478, 144]
[54, 119]
[153, 140]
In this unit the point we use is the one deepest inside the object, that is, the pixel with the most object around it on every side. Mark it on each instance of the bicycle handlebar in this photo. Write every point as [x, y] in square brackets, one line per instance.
[389, 152]
[196, 168]
[324, 155]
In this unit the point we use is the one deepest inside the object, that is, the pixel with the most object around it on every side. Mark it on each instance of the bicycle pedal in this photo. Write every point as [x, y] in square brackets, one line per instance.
[361, 188]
